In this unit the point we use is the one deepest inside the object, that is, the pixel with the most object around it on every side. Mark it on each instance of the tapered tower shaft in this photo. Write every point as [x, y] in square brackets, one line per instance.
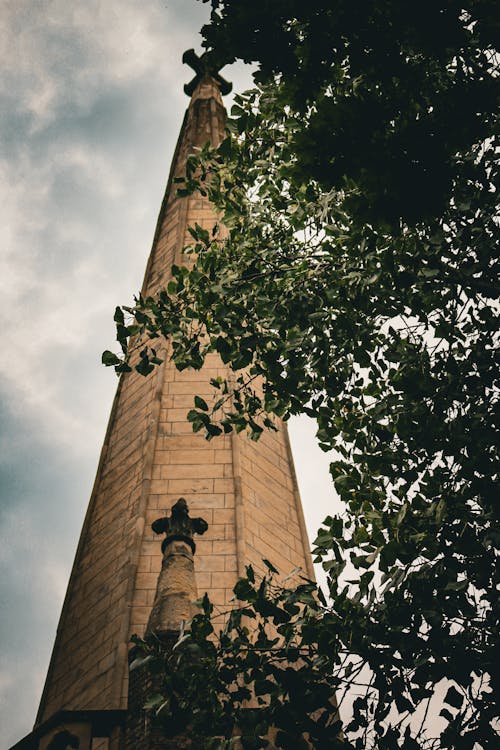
[246, 491]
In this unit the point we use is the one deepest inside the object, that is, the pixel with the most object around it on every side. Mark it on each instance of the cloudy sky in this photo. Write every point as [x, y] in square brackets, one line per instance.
[91, 106]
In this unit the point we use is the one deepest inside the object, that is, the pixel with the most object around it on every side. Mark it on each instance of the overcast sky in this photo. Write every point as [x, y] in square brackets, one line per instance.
[91, 106]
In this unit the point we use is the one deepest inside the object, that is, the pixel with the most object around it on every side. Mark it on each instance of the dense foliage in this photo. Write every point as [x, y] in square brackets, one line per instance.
[356, 281]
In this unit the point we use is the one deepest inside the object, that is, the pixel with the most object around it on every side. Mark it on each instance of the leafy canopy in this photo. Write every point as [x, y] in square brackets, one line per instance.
[354, 280]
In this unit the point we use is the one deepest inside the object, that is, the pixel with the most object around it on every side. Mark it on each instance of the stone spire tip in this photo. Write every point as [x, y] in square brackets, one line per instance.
[205, 66]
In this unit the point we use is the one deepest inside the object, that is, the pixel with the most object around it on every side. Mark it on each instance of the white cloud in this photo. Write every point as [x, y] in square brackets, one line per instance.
[64, 306]
[6, 681]
[61, 58]
[55, 52]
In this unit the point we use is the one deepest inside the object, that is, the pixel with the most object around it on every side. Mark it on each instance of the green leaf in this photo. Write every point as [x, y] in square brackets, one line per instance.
[244, 591]
[108, 359]
[118, 316]
[225, 147]
[207, 605]
[446, 714]
[213, 430]
[200, 403]
[144, 367]
[270, 566]
[453, 697]
[154, 701]
[140, 661]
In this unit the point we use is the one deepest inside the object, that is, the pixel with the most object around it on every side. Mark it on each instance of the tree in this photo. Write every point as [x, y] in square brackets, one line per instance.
[356, 282]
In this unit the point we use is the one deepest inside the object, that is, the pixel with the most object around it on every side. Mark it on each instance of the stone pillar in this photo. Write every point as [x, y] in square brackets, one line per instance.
[173, 607]
[176, 587]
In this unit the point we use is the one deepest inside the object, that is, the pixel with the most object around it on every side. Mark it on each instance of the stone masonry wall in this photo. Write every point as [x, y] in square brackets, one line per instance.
[245, 491]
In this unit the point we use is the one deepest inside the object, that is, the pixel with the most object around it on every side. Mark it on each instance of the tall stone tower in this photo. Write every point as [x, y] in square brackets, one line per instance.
[246, 491]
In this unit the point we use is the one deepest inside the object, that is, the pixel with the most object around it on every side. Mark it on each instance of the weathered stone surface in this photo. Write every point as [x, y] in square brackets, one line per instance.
[176, 588]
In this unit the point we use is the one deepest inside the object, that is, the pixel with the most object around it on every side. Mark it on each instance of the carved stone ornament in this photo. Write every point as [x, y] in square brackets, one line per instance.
[204, 65]
[179, 526]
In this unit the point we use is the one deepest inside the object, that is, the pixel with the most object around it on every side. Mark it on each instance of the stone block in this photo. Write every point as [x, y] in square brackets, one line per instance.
[209, 563]
[191, 486]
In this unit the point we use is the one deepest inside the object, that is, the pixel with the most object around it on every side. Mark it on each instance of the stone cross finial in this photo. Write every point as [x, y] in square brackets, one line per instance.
[205, 64]
[179, 526]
